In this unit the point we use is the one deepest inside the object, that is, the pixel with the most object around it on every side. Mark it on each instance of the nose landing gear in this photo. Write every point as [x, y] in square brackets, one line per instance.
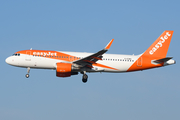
[28, 70]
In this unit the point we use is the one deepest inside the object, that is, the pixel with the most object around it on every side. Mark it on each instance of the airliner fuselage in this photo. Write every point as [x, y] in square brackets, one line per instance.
[71, 63]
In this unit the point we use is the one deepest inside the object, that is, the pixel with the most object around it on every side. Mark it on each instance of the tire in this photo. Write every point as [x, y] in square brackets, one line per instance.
[84, 79]
[27, 75]
[85, 76]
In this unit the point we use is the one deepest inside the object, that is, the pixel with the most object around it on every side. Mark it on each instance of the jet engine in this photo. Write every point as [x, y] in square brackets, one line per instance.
[64, 70]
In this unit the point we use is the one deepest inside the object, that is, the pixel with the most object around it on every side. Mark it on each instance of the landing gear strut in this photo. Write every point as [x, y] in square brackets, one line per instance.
[84, 77]
[28, 70]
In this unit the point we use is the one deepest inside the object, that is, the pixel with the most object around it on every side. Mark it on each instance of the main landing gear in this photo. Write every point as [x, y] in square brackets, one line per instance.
[28, 70]
[84, 77]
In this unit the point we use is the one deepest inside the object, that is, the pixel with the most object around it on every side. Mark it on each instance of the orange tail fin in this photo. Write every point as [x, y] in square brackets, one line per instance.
[160, 47]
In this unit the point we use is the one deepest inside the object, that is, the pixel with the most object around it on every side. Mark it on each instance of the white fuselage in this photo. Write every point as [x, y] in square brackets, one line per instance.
[120, 63]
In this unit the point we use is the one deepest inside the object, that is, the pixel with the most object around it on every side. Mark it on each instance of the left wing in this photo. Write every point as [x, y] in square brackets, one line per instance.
[92, 59]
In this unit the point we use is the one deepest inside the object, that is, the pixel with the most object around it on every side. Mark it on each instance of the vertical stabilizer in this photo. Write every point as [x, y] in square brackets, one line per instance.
[160, 47]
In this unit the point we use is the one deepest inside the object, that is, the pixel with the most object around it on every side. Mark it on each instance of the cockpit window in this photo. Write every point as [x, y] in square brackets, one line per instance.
[17, 54]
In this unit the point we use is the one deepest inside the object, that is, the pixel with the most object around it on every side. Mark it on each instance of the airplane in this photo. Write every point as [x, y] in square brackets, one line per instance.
[72, 63]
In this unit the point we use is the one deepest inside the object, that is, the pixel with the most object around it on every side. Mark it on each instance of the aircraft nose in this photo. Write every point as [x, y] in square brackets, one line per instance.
[8, 60]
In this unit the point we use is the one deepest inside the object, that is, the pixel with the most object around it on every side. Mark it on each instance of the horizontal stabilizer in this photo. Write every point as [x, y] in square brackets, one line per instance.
[163, 60]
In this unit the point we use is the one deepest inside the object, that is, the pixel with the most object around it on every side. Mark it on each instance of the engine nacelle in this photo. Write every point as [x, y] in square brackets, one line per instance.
[64, 70]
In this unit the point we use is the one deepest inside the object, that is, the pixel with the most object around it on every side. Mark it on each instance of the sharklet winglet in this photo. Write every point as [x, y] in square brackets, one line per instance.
[109, 45]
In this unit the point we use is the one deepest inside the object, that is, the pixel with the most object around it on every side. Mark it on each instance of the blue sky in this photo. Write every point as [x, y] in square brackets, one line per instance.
[87, 26]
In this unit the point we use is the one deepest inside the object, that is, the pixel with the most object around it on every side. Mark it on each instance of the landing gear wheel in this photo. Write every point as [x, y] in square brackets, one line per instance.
[27, 75]
[84, 79]
[28, 70]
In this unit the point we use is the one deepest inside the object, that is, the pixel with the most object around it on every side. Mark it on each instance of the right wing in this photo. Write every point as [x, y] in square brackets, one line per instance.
[92, 59]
